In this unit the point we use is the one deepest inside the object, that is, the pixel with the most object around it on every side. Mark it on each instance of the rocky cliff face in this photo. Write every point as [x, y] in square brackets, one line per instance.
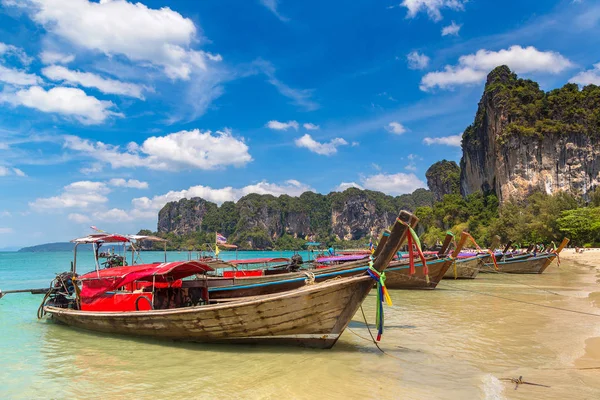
[443, 178]
[258, 221]
[358, 216]
[524, 140]
[184, 216]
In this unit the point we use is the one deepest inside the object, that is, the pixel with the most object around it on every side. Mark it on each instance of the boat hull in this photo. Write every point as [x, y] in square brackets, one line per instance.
[532, 265]
[398, 275]
[466, 268]
[312, 316]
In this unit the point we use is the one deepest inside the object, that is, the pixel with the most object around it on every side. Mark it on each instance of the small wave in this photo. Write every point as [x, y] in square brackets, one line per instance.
[492, 388]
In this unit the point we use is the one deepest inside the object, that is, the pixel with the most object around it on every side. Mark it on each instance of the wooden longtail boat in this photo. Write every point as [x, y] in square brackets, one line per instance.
[398, 274]
[468, 268]
[314, 315]
[527, 265]
[244, 286]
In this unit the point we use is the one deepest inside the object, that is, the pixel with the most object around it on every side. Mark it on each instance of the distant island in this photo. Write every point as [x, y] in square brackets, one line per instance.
[50, 247]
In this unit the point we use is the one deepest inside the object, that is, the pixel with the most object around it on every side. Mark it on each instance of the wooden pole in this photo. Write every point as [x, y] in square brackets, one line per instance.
[395, 240]
[384, 238]
[445, 245]
[464, 236]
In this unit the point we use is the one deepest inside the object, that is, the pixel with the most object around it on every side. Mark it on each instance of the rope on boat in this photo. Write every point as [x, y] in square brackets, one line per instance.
[519, 381]
[310, 277]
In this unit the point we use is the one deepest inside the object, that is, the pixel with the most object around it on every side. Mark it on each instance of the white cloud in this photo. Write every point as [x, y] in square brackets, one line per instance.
[325, 149]
[56, 57]
[128, 183]
[70, 102]
[346, 185]
[411, 167]
[91, 169]
[431, 7]
[90, 80]
[272, 6]
[451, 29]
[18, 172]
[5, 214]
[17, 52]
[161, 37]
[453, 140]
[82, 194]
[473, 68]
[310, 127]
[589, 77]
[417, 60]
[176, 151]
[300, 97]
[393, 184]
[282, 126]
[113, 215]
[17, 77]
[6, 230]
[395, 128]
[78, 218]
[147, 208]
[7, 171]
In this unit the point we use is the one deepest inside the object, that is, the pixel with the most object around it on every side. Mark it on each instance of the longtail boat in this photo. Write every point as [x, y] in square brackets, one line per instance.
[528, 264]
[468, 268]
[400, 275]
[314, 315]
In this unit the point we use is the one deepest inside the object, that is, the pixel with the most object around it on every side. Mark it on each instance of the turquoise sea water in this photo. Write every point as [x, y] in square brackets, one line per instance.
[441, 344]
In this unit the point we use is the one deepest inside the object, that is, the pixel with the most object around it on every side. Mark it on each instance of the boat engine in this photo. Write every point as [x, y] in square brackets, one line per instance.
[62, 293]
[296, 263]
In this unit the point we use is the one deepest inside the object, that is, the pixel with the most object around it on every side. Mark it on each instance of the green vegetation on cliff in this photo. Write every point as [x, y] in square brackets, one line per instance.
[533, 112]
[265, 221]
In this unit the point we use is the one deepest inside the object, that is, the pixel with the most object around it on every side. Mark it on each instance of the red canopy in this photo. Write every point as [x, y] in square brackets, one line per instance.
[98, 282]
[259, 261]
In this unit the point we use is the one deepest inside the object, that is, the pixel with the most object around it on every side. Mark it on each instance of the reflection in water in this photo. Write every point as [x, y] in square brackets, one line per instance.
[442, 344]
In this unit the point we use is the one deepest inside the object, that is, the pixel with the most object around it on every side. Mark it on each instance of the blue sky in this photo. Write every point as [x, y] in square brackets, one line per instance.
[110, 109]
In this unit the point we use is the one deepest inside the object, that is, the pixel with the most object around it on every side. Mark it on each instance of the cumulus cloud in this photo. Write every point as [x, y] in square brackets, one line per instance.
[79, 218]
[56, 57]
[431, 7]
[589, 77]
[161, 37]
[310, 127]
[8, 50]
[282, 126]
[453, 140]
[82, 194]
[145, 207]
[90, 80]
[17, 77]
[182, 150]
[69, 102]
[393, 184]
[451, 29]
[346, 185]
[395, 128]
[417, 60]
[325, 149]
[473, 68]
[128, 183]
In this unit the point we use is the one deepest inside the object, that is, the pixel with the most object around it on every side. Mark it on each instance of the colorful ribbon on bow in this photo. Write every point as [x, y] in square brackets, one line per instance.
[382, 295]
[491, 252]
[413, 239]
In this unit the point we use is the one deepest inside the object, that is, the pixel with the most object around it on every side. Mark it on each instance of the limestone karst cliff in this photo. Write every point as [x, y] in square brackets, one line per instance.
[524, 139]
[258, 221]
[443, 178]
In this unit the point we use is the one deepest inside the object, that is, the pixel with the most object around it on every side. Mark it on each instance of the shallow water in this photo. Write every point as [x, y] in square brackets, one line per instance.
[450, 343]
